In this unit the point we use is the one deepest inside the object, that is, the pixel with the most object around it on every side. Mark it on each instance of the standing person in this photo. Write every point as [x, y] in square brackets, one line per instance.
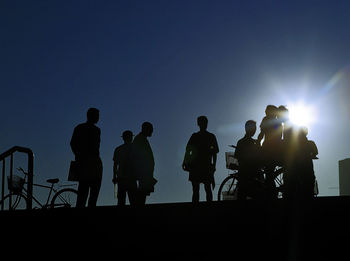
[143, 163]
[268, 125]
[283, 118]
[122, 170]
[249, 161]
[271, 132]
[200, 159]
[299, 180]
[85, 144]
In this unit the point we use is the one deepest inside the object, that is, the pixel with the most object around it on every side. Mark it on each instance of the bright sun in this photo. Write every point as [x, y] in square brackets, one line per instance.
[301, 114]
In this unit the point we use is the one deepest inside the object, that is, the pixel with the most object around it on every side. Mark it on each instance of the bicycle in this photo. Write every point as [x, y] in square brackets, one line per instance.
[228, 189]
[17, 197]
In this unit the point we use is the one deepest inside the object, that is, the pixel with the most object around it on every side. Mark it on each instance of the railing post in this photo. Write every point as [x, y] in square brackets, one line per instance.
[30, 154]
[11, 179]
[3, 184]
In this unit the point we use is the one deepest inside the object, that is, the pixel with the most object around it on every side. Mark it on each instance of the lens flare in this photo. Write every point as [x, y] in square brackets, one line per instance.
[301, 114]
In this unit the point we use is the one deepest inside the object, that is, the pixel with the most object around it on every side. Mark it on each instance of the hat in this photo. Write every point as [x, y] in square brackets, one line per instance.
[127, 133]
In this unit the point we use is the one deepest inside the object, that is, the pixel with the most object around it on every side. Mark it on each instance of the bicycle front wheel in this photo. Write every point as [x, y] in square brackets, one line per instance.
[14, 201]
[66, 198]
[228, 188]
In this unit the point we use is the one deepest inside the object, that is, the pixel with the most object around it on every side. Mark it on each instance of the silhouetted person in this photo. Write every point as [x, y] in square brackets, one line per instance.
[299, 179]
[312, 148]
[85, 144]
[271, 131]
[288, 127]
[123, 175]
[200, 159]
[269, 126]
[248, 154]
[143, 163]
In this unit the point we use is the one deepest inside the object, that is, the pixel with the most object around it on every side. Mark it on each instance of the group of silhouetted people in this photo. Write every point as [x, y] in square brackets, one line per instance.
[283, 145]
[133, 167]
[133, 163]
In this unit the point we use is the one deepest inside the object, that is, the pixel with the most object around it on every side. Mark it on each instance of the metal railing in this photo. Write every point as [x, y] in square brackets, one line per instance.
[10, 153]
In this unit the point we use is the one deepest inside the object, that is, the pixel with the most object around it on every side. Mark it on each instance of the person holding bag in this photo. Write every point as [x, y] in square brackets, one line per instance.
[85, 144]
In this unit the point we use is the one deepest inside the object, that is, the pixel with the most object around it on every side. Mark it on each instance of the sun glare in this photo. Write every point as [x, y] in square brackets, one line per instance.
[302, 114]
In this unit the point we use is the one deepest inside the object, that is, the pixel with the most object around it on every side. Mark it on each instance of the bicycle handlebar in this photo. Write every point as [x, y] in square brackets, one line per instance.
[22, 170]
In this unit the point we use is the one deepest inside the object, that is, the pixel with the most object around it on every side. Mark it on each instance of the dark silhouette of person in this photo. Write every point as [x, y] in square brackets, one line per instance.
[271, 132]
[85, 144]
[299, 178]
[200, 159]
[143, 163]
[269, 125]
[123, 175]
[287, 126]
[248, 154]
[312, 148]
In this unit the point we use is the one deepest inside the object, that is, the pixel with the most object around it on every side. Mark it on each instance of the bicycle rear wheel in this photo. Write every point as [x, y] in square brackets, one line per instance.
[228, 188]
[66, 198]
[18, 201]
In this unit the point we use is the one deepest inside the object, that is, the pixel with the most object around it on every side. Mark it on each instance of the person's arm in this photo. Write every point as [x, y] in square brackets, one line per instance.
[115, 167]
[237, 154]
[187, 154]
[215, 151]
[262, 131]
[260, 137]
[74, 142]
[214, 161]
[313, 149]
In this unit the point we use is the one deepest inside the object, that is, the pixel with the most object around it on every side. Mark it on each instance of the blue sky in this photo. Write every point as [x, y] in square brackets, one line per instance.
[168, 62]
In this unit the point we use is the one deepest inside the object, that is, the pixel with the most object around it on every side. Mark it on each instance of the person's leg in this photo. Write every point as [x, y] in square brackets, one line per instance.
[83, 192]
[195, 192]
[306, 187]
[121, 195]
[132, 192]
[242, 190]
[94, 191]
[209, 193]
[140, 198]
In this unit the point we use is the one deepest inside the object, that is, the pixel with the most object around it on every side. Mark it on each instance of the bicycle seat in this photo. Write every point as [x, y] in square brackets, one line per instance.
[52, 181]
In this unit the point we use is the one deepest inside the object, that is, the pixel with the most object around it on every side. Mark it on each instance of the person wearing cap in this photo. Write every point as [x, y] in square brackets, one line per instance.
[122, 170]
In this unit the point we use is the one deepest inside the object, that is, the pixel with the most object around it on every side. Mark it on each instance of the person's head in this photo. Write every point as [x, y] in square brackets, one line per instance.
[202, 122]
[250, 128]
[93, 115]
[127, 136]
[283, 113]
[270, 110]
[147, 129]
[301, 132]
[304, 130]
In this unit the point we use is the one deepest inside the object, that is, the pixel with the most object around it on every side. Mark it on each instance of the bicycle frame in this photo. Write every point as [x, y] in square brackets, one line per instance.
[277, 178]
[52, 189]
